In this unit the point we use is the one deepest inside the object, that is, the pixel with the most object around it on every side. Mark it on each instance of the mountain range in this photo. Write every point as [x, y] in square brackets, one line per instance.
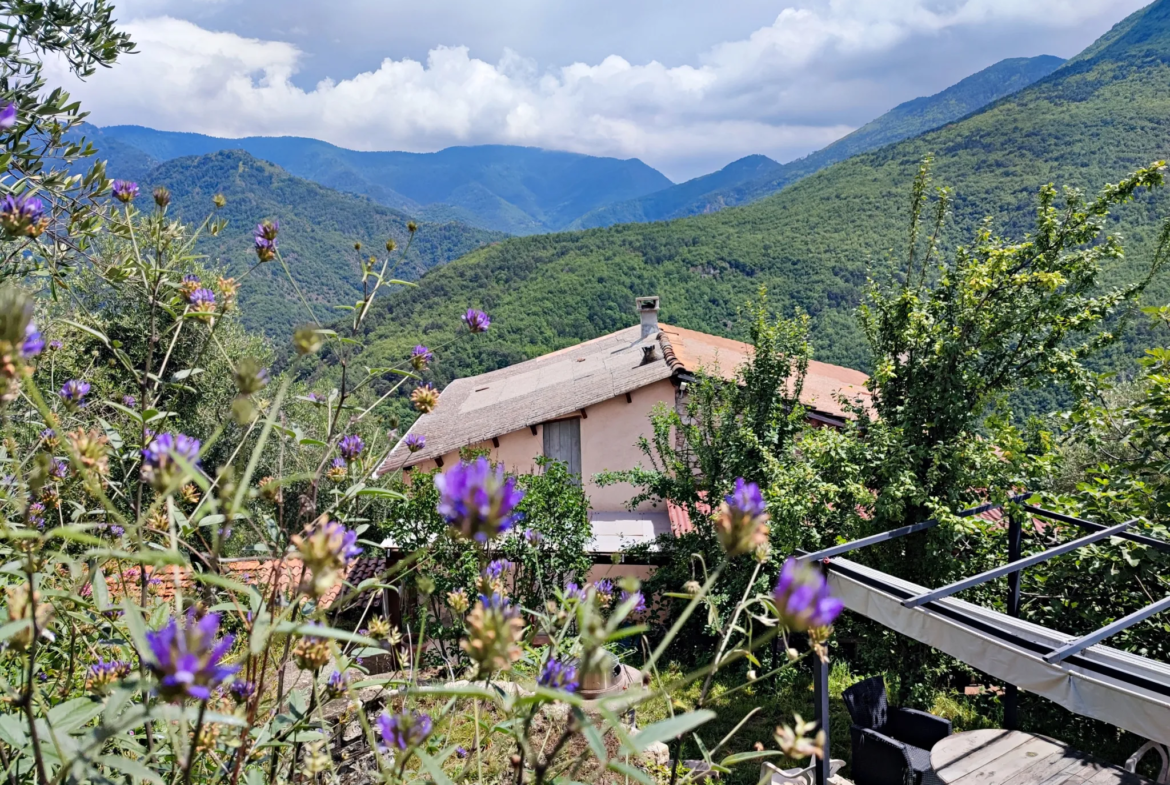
[519, 190]
[815, 243]
[523, 190]
[755, 177]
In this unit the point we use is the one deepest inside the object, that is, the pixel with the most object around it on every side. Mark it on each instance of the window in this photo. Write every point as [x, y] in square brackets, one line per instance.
[562, 442]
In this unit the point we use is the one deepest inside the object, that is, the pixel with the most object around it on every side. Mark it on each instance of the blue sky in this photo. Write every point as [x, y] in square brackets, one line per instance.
[686, 86]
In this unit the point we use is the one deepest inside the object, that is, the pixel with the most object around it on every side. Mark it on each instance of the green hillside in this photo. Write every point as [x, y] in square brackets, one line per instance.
[722, 189]
[1091, 121]
[318, 228]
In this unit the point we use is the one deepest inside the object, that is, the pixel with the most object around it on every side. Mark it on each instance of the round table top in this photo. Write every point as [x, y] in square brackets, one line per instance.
[999, 757]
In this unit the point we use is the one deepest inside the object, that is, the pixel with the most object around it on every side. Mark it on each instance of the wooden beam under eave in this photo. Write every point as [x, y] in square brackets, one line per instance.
[496, 442]
[439, 461]
[584, 415]
[533, 427]
[629, 398]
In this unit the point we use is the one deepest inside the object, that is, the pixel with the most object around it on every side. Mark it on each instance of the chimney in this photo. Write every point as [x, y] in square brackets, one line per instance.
[648, 310]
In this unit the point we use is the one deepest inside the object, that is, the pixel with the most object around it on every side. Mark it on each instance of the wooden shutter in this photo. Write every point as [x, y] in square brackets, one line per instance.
[562, 442]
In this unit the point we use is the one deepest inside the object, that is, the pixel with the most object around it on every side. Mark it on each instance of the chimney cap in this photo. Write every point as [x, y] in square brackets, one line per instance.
[646, 303]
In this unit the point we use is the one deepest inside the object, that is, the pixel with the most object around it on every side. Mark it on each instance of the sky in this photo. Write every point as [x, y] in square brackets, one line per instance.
[685, 85]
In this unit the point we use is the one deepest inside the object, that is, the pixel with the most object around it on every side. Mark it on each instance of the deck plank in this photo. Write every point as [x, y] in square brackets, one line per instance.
[969, 752]
[1000, 757]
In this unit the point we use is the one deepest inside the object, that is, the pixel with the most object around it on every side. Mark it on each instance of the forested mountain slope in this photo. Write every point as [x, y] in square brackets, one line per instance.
[707, 194]
[318, 229]
[813, 244]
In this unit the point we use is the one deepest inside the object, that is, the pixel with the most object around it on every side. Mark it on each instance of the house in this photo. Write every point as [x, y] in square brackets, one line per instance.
[587, 406]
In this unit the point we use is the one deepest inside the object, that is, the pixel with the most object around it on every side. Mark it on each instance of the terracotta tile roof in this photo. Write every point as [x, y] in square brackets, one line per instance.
[251, 572]
[690, 351]
[478, 408]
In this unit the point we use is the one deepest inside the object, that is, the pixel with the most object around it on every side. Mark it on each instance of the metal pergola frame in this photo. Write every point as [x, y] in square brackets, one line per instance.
[1069, 652]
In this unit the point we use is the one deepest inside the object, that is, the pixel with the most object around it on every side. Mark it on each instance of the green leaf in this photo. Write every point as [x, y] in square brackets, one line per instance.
[671, 728]
[382, 493]
[740, 757]
[132, 767]
[433, 768]
[12, 730]
[71, 715]
[135, 624]
[13, 627]
[630, 771]
[95, 333]
[125, 410]
[292, 628]
[594, 740]
[470, 691]
[101, 593]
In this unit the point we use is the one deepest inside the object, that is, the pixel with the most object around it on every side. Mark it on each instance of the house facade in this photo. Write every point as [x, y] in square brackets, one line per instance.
[588, 405]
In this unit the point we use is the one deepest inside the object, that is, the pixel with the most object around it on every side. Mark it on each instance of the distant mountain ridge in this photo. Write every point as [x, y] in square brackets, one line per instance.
[902, 122]
[519, 190]
[318, 229]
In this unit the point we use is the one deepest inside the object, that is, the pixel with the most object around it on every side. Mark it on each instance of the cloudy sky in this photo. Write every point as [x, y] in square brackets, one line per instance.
[685, 85]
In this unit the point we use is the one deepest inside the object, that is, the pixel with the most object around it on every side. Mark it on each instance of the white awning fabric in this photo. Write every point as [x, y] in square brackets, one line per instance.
[1136, 708]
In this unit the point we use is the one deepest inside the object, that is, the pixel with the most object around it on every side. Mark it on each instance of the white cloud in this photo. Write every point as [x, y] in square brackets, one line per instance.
[787, 88]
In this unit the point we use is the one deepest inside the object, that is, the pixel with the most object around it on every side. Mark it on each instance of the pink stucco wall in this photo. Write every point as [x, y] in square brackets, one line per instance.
[609, 441]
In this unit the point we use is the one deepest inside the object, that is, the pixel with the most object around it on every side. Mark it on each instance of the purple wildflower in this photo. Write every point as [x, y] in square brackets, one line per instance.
[74, 392]
[461, 752]
[802, 597]
[264, 240]
[117, 530]
[742, 521]
[404, 731]
[574, 592]
[33, 343]
[60, 470]
[8, 117]
[55, 345]
[125, 191]
[22, 215]
[102, 674]
[496, 568]
[351, 447]
[129, 401]
[187, 659]
[159, 467]
[559, 675]
[241, 690]
[202, 299]
[421, 357]
[477, 321]
[477, 499]
[532, 536]
[267, 229]
[639, 601]
[415, 442]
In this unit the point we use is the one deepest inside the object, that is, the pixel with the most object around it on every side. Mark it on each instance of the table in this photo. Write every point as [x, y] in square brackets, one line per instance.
[1000, 757]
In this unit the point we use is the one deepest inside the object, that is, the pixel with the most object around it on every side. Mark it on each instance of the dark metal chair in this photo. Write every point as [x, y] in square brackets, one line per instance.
[891, 746]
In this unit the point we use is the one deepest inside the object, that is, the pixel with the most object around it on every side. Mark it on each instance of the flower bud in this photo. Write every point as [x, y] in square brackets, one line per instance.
[162, 197]
[306, 340]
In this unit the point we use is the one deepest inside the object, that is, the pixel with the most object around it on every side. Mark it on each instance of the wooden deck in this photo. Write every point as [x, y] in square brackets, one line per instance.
[1000, 757]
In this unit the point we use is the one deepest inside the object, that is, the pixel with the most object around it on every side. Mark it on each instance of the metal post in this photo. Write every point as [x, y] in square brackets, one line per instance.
[1011, 717]
[821, 697]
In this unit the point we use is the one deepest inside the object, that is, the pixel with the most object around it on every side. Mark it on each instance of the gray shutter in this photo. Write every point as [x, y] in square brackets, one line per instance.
[562, 442]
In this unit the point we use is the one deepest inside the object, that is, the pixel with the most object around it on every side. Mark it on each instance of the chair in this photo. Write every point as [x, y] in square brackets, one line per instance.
[1163, 753]
[891, 746]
